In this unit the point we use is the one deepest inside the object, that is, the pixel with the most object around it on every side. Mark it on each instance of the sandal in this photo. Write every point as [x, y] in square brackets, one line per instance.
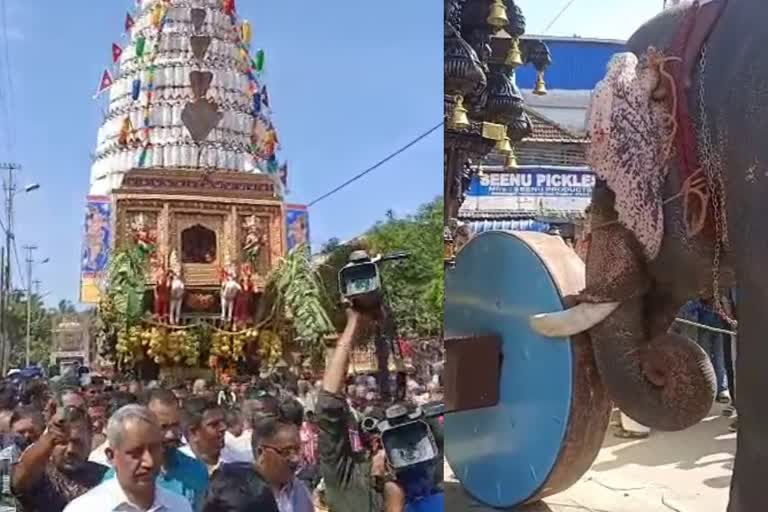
[626, 434]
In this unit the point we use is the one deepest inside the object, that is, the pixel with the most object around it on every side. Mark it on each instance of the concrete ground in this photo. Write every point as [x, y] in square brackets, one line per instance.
[687, 471]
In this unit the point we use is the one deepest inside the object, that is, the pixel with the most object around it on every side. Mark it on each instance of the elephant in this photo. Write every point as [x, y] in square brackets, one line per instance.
[660, 379]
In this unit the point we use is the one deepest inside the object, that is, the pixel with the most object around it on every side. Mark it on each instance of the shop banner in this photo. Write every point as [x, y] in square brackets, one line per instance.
[534, 182]
[96, 247]
[296, 225]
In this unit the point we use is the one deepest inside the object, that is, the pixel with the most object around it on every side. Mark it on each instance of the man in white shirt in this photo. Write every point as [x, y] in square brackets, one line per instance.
[136, 452]
[256, 404]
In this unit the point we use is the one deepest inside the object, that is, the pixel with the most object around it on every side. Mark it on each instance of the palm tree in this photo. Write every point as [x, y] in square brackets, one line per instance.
[66, 307]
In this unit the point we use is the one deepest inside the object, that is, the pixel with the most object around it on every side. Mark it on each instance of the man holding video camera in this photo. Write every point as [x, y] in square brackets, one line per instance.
[349, 477]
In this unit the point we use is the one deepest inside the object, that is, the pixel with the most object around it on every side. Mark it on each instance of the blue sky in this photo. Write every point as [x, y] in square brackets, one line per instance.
[609, 19]
[349, 82]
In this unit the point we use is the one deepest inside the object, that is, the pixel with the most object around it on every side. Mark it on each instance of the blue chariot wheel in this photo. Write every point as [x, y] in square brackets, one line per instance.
[552, 412]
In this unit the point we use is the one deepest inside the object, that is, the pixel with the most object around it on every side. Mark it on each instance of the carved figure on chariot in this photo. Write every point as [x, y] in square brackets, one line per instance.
[255, 238]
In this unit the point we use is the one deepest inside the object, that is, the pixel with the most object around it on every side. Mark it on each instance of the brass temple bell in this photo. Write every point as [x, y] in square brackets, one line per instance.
[459, 117]
[504, 146]
[514, 58]
[511, 162]
[497, 15]
[541, 85]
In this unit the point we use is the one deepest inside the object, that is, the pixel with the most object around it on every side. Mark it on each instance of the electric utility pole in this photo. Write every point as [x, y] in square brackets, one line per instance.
[9, 189]
[30, 262]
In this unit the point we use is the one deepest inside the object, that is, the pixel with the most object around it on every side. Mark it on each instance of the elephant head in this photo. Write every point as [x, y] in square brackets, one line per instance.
[662, 380]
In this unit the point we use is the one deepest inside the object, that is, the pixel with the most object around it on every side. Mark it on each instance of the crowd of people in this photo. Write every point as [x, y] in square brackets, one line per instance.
[277, 444]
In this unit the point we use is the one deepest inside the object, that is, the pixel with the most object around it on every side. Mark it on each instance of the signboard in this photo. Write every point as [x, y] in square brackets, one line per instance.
[97, 242]
[531, 189]
[296, 225]
[538, 182]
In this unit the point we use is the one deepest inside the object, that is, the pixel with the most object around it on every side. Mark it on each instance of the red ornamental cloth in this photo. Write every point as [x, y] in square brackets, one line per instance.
[229, 7]
[694, 30]
[242, 303]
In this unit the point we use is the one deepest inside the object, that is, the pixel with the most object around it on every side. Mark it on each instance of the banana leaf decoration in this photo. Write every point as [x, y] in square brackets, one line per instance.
[298, 297]
[127, 281]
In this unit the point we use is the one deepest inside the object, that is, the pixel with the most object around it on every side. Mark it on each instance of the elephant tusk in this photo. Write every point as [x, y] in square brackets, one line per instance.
[572, 321]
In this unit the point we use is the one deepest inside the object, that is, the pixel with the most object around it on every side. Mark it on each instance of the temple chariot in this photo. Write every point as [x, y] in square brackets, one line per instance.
[185, 175]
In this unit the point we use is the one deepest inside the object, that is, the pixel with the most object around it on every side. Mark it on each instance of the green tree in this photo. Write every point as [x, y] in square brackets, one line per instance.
[414, 287]
[40, 330]
[66, 307]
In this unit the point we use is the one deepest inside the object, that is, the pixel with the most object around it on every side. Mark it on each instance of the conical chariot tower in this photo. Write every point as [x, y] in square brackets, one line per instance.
[185, 160]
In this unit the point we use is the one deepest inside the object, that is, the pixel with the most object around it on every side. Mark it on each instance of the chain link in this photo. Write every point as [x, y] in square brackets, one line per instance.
[712, 165]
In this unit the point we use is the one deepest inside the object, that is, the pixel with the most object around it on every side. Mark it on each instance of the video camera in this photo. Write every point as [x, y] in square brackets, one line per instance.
[409, 446]
[360, 279]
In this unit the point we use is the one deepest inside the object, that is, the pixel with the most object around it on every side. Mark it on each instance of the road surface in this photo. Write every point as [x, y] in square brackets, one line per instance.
[687, 471]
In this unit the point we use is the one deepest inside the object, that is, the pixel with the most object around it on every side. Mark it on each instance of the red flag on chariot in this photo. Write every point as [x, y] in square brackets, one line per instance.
[116, 52]
[106, 82]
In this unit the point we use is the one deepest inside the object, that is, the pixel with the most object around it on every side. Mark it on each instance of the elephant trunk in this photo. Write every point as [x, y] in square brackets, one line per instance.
[665, 383]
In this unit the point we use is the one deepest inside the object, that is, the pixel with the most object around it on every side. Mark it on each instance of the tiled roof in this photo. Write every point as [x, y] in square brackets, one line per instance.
[546, 130]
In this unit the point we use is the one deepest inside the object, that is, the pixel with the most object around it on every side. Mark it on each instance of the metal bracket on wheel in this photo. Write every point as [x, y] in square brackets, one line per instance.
[472, 372]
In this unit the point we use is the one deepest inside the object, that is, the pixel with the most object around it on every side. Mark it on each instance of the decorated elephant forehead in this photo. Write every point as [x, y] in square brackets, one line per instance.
[631, 143]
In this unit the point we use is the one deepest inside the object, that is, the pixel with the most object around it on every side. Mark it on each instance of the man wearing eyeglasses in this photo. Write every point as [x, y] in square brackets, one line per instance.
[277, 451]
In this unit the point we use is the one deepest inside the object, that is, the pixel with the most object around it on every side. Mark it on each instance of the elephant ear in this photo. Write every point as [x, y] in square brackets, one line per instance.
[631, 143]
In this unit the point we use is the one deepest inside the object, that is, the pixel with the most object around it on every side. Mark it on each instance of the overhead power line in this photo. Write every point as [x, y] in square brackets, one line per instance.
[557, 17]
[378, 164]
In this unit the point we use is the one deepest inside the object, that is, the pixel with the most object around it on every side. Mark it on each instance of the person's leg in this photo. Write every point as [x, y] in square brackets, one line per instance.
[729, 365]
[718, 362]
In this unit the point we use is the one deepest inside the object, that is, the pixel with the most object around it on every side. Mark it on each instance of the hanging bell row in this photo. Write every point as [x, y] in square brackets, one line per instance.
[497, 15]
[459, 117]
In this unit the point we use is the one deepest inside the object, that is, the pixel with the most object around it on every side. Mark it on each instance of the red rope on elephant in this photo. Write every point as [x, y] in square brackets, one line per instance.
[685, 136]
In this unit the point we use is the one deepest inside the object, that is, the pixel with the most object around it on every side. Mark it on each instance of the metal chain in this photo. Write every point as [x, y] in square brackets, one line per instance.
[712, 165]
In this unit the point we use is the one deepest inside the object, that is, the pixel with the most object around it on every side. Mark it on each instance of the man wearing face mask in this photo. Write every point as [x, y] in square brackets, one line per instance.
[277, 451]
[26, 427]
[136, 452]
[55, 470]
[179, 473]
